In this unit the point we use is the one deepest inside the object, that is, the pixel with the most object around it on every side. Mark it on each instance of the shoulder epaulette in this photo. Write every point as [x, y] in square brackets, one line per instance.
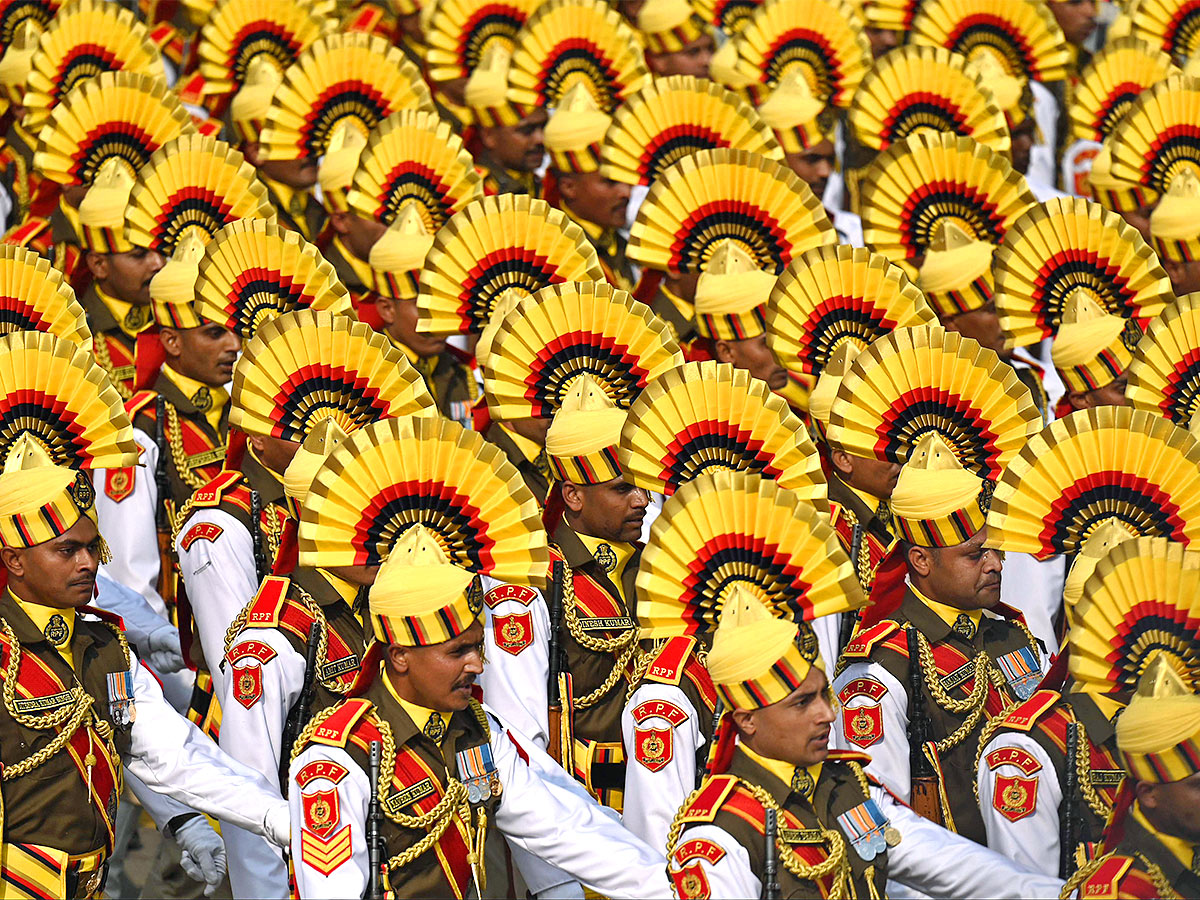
[104, 615]
[1105, 882]
[707, 803]
[336, 730]
[27, 232]
[669, 664]
[140, 401]
[1025, 715]
[210, 494]
[193, 89]
[264, 609]
[864, 642]
[849, 756]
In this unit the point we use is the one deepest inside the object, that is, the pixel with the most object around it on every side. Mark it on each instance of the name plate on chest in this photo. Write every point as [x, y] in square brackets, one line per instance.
[615, 623]
[27, 705]
[206, 458]
[1106, 777]
[336, 667]
[958, 676]
[801, 835]
[409, 795]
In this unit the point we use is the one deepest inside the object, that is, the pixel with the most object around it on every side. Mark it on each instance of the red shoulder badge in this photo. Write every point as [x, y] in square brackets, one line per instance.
[321, 812]
[247, 683]
[1105, 882]
[653, 747]
[335, 731]
[264, 608]
[210, 493]
[862, 725]
[321, 768]
[201, 531]
[513, 633]
[1013, 756]
[691, 883]
[502, 592]
[322, 846]
[706, 804]
[118, 483]
[864, 642]
[698, 848]
[1025, 715]
[250, 648]
[1015, 797]
[669, 664]
[660, 708]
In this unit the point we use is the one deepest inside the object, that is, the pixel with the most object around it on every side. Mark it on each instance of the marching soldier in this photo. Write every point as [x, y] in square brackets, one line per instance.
[942, 655]
[509, 142]
[678, 41]
[837, 832]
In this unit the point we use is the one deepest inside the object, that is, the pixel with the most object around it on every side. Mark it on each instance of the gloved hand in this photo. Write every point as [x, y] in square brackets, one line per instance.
[203, 853]
[163, 652]
[277, 826]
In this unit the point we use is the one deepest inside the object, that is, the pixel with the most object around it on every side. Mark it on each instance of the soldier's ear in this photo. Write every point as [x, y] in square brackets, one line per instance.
[572, 496]
[13, 560]
[920, 560]
[723, 352]
[97, 264]
[398, 659]
[386, 309]
[842, 461]
[743, 719]
[1147, 796]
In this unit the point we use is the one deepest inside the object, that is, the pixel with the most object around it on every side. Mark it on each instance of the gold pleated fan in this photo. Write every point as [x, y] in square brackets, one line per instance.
[353, 79]
[730, 16]
[85, 38]
[1067, 245]
[729, 532]
[1091, 466]
[1160, 135]
[193, 185]
[548, 340]
[15, 13]
[915, 381]
[1111, 82]
[394, 474]
[567, 42]
[1023, 37]
[716, 196]
[253, 271]
[834, 294]
[238, 30]
[1164, 376]
[117, 115]
[930, 178]
[1142, 601]
[1170, 25]
[458, 33]
[414, 157]
[34, 296]
[504, 243]
[824, 41]
[706, 417]
[674, 117]
[54, 390]
[915, 89]
[307, 366]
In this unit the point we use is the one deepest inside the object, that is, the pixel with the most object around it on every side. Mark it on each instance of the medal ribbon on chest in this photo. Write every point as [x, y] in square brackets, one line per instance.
[120, 699]
[478, 773]
[1021, 671]
[868, 830]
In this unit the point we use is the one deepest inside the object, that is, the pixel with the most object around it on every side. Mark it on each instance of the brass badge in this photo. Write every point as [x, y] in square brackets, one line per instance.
[606, 558]
[136, 318]
[803, 784]
[82, 492]
[56, 630]
[202, 399]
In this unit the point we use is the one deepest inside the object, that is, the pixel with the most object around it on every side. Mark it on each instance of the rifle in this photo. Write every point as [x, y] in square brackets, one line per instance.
[554, 718]
[376, 852]
[260, 564]
[705, 768]
[851, 619]
[925, 801]
[298, 714]
[163, 514]
[1067, 820]
[771, 888]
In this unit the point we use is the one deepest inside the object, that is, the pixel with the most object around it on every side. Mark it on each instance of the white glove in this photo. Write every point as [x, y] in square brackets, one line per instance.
[162, 650]
[203, 853]
[277, 825]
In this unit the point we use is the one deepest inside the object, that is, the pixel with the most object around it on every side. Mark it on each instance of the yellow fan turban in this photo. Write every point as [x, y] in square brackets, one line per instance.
[1089, 350]
[1158, 734]
[581, 442]
[936, 501]
[956, 273]
[731, 295]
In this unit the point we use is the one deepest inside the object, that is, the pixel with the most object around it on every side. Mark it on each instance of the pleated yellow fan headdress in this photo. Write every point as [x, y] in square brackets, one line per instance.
[123, 116]
[936, 501]
[1068, 245]
[1158, 734]
[1093, 347]
[726, 535]
[581, 442]
[307, 366]
[890, 15]
[914, 185]
[342, 81]
[1172, 26]
[731, 295]
[397, 257]
[835, 294]
[173, 288]
[913, 89]
[730, 16]
[487, 90]
[192, 186]
[1115, 193]
[1111, 82]
[798, 120]
[16, 14]
[34, 296]
[493, 245]
[39, 500]
[253, 271]
[53, 391]
[85, 38]
[727, 196]
[1175, 222]
[1023, 37]
[956, 273]
[1098, 545]
[1164, 377]
[575, 132]
[823, 41]
[102, 210]
[414, 159]
[708, 417]
[391, 475]
[675, 117]
[915, 381]
[1093, 465]
[563, 332]
[1157, 139]
[460, 32]
[17, 60]
[667, 26]
[318, 445]
[829, 382]
[577, 42]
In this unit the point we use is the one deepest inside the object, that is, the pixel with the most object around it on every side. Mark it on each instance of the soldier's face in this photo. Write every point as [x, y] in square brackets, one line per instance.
[274, 453]
[595, 198]
[126, 276]
[691, 59]
[966, 576]
[796, 729]
[1077, 18]
[876, 477]
[612, 511]
[1022, 143]
[1111, 394]
[400, 320]
[982, 325]
[814, 165]
[1173, 808]
[1185, 276]
[60, 573]
[206, 353]
[755, 357]
[439, 677]
[882, 40]
[519, 147]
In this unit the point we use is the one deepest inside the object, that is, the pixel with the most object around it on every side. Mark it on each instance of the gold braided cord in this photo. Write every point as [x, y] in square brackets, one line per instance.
[640, 666]
[104, 360]
[1162, 886]
[178, 456]
[862, 565]
[1083, 768]
[972, 705]
[623, 646]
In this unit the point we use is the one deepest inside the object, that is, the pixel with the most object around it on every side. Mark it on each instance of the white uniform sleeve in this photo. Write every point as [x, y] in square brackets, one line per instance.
[889, 714]
[729, 878]
[129, 529]
[596, 849]
[828, 630]
[654, 789]
[220, 580]
[172, 756]
[327, 867]
[161, 808]
[517, 647]
[254, 735]
[1042, 154]
[943, 864]
[1035, 588]
[1027, 834]
[138, 615]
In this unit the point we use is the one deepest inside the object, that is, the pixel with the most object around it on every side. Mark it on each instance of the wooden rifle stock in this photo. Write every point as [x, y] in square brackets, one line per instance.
[925, 799]
[554, 690]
